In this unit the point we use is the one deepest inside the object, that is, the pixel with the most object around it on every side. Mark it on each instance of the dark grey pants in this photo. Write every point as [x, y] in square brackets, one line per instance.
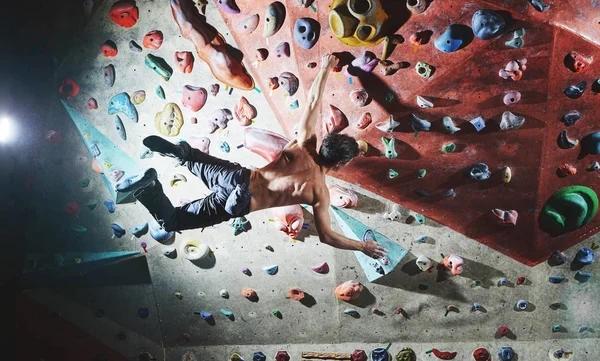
[230, 197]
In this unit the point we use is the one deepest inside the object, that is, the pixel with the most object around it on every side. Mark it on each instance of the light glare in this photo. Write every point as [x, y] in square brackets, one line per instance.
[6, 130]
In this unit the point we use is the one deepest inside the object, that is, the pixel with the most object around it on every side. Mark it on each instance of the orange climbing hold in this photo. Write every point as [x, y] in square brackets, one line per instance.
[124, 13]
[296, 294]
[68, 89]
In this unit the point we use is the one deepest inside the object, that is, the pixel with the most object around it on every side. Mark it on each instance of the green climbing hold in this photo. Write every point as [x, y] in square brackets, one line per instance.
[448, 148]
[421, 173]
[159, 65]
[568, 209]
[161, 92]
[392, 174]
[390, 149]
[84, 182]
[389, 97]
[294, 105]
[78, 230]
[240, 224]
[406, 354]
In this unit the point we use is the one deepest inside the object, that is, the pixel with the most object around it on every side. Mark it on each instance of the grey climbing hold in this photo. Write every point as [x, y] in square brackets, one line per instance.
[359, 97]
[83, 183]
[140, 230]
[289, 82]
[134, 47]
[306, 32]
[577, 90]
[389, 126]
[224, 293]
[170, 252]
[109, 75]
[120, 128]
[487, 24]
[539, 5]
[557, 258]
[351, 311]
[510, 121]
[478, 123]
[449, 126]
[420, 125]
[390, 149]
[283, 49]
[146, 154]
[478, 171]
[564, 142]
[450, 193]
[590, 144]
[594, 167]
[424, 103]
[271, 270]
[571, 117]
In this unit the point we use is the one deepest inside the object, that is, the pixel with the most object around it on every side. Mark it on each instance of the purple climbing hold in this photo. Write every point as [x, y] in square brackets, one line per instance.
[557, 258]
[366, 62]
[206, 315]
[283, 49]
[228, 6]
[118, 231]
[306, 32]
[585, 256]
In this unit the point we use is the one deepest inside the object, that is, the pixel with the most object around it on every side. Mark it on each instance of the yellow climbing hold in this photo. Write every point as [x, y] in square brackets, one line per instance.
[507, 175]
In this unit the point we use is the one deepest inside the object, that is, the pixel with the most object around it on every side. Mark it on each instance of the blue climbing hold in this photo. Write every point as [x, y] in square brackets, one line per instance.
[272, 270]
[585, 256]
[506, 353]
[120, 128]
[487, 24]
[159, 234]
[121, 103]
[590, 144]
[224, 146]
[351, 312]
[259, 356]
[206, 315]
[110, 206]
[452, 39]
[140, 230]
[226, 313]
[582, 277]
[118, 231]
[522, 305]
[557, 279]
[84, 183]
[143, 312]
[380, 354]
[306, 32]
[502, 282]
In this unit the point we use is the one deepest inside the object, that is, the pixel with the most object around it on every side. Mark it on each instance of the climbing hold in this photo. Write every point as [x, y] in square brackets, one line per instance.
[359, 97]
[571, 117]
[565, 170]
[294, 105]
[576, 91]
[228, 6]
[510, 121]
[88, 7]
[96, 166]
[153, 40]
[147, 154]
[351, 312]
[349, 290]
[323, 268]
[227, 314]
[420, 125]
[582, 277]
[449, 126]
[520, 281]
[159, 66]
[118, 231]
[393, 68]
[406, 354]
[68, 89]
[138, 97]
[505, 218]
[176, 179]
[121, 103]
[194, 98]
[478, 171]
[116, 175]
[416, 6]
[506, 175]
[92, 104]
[363, 147]
[478, 123]
[506, 353]
[283, 49]
[169, 121]
[389, 43]
[248, 25]
[358, 24]
[274, 18]
[143, 312]
[421, 173]
[448, 148]
[160, 92]
[420, 37]
[84, 183]
[296, 294]
[281, 355]
[271, 270]
[244, 112]
[392, 174]
[120, 128]
[261, 54]
[109, 49]
[219, 120]
[134, 47]
[124, 13]
[564, 142]
[512, 97]
[444, 355]
[389, 126]
[71, 208]
[517, 41]
[422, 193]
[246, 271]
[503, 331]
[289, 82]
[239, 225]
[380, 354]
[556, 279]
[337, 120]
[110, 206]
[170, 252]
[424, 103]
[452, 39]
[140, 230]
[514, 69]
[390, 150]
[522, 305]
[364, 121]
[585, 256]
[306, 32]
[359, 355]
[184, 61]
[596, 86]
[206, 315]
[594, 167]
[259, 356]
[454, 263]
[423, 263]
[577, 62]
[214, 89]
[366, 63]
[539, 5]
[450, 193]
[487, 24]
[590, 144]
[224, 147]
[342, 197]
[159, 234]
[193, 250]
[481, 354]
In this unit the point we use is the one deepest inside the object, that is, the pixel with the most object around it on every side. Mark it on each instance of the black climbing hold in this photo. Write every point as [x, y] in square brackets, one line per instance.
[571, 117]
[576, 91]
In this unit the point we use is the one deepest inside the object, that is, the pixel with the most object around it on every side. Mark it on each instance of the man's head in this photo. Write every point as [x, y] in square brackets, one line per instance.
[337, 150]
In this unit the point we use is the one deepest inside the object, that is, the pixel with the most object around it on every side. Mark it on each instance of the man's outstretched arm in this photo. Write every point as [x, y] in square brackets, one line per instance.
[334, 239]
[308, 121]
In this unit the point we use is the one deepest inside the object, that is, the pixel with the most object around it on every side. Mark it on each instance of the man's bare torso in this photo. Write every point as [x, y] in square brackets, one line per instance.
[293, 178]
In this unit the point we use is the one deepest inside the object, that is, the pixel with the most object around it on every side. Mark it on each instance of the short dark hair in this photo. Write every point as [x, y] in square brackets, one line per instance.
[337, 148]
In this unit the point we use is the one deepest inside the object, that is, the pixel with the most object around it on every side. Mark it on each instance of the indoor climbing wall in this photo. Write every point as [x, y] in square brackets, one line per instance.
[222, 75]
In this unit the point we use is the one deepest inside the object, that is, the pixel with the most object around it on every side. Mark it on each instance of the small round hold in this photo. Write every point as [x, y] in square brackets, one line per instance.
[359, 97]
[512, 98]
[224, 293]
[522, 305]
[311, 65]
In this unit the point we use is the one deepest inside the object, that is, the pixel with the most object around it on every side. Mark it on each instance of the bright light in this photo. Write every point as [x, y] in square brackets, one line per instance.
[7, 130]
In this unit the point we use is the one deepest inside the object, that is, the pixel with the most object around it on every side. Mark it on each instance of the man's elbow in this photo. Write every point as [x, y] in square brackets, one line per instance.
[324, 238]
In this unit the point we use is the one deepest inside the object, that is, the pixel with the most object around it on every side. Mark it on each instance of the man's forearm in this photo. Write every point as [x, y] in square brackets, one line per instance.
[338, 241]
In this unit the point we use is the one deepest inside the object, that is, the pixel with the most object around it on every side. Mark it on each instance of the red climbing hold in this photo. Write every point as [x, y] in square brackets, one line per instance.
[481, 354]
[92, 104]
[124, 13]
[443, 354]
[282, 356]
[503, 331]
[68, 89]
[53, 137]
[520, 280]
[71, 208]
[153, 40]
[109, 49]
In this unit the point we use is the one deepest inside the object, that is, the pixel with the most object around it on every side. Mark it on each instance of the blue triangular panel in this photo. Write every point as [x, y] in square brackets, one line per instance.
[111, 157]
[353, 229]
[44, 262]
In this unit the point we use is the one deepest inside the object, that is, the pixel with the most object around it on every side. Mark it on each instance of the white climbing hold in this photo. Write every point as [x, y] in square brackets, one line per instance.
[193, 250]
[424, 103]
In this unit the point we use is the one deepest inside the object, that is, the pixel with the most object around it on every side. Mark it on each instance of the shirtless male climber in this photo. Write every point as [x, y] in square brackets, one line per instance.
[297, 176]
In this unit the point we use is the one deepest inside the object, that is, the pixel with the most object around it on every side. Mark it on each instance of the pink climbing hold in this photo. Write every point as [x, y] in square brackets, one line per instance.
[503, 331]
[193, 97]
[184, 61]
[364, 120]
[512, 98]
[337, 120]
[97, 167]
[202, 143]
[288, 219]
[265, 143]
[92, 104]
[322, 268]
[505, 218]
[454, 263]
[244, 112]
[342, 197]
